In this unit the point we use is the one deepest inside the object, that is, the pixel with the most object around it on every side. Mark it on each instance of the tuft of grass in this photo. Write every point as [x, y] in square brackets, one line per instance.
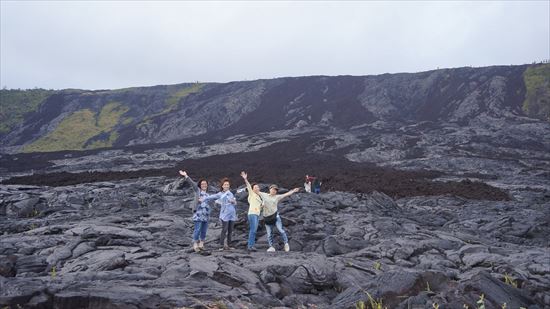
[33, 213]
[75, 130]
[376, 304]
[510, 281]
[435, 305]
[377, 265]
[537, 96]
[53, 272]
[481, 302]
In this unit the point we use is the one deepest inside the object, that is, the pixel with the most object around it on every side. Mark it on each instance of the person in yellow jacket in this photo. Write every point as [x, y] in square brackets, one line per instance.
[256, 203]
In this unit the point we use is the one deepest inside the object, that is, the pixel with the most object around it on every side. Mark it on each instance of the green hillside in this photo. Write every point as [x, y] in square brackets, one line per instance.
[74, 132]
[537, 98]
[14, 104]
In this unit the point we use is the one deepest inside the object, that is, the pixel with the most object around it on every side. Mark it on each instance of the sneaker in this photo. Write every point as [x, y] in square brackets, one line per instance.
[287, 247]
[201, 245]
[271, 249]
[196, 247]
[251, 249]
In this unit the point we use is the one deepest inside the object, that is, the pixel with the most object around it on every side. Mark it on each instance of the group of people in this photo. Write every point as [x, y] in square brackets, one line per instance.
[312, 183]
[260, 203]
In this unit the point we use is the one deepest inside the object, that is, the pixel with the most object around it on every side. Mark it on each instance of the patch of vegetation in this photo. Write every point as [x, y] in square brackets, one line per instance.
[510, 281]
[176, 93]
[537, 97]
[374, 303]
[53, 272]
[176, 96]
[15, 104]
[77, 129]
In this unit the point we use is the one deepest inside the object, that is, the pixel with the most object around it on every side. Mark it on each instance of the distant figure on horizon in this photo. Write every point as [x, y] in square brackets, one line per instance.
[228, 214]
[256, 204]
[201, 212]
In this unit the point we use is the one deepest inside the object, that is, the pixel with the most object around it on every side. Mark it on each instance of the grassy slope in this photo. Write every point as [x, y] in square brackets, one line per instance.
[537, 98]
[14, 104]
[75, 130]
[85, 129]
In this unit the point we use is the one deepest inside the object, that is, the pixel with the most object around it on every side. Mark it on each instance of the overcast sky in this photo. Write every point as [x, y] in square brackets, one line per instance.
[107, 45]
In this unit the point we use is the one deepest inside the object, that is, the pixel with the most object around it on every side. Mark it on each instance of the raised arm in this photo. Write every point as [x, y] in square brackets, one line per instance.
[245, 177]
[191, 181]
[289, 193]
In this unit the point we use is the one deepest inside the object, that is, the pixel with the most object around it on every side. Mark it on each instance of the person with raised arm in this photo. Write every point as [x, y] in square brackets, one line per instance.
[201, 211]
[255, 203]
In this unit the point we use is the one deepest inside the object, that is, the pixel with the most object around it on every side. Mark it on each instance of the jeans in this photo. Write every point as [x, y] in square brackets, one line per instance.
[252, 228]
[227, 228]
[200, 230]
[279, 225]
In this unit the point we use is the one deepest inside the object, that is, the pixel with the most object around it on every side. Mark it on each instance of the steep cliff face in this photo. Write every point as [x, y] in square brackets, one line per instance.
[77, 119]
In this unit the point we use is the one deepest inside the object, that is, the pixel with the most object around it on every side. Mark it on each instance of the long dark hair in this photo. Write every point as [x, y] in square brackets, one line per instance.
[200, 181]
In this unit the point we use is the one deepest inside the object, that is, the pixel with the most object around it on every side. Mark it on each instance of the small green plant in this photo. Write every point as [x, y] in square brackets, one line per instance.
[360, 305]
[510, 281]
[503, 306]
[53, 273]
[435, 305]
[481, 302]
[428, 287]
[465, 306]
[32, 226]
[33, 213]
[377, 265]
[375, 304]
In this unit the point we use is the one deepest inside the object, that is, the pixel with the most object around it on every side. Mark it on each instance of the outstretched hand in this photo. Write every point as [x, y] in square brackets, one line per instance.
[183, 173]
[244, 175]
[295, 190]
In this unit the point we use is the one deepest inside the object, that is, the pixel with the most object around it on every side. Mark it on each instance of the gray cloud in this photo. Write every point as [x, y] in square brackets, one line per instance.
[100, 44]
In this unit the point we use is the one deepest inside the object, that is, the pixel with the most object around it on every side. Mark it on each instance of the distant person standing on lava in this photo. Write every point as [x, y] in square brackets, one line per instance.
[307, 184]
[228, 214]
[317, 186]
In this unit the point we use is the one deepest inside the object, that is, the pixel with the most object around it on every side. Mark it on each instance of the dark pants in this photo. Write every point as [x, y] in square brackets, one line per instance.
[227, 228]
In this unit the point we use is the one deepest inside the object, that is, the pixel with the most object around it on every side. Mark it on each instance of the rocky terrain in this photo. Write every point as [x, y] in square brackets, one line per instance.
[126, 244]
[436, 191]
